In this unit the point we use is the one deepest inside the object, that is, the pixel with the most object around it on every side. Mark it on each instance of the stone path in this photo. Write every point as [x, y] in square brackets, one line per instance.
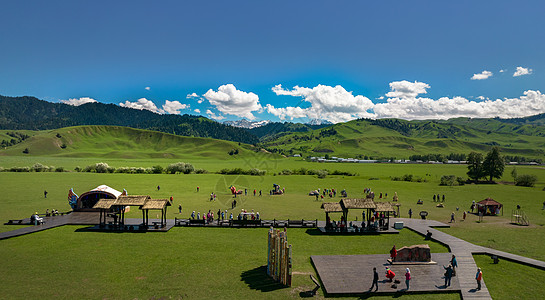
[464, 251]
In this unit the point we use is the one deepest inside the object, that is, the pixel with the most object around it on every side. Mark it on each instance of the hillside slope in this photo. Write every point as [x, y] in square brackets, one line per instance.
[122, 142]
[18, 113]
[386, 138]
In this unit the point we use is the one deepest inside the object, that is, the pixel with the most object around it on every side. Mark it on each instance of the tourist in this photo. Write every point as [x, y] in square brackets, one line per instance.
[393, 253]
[454, 264]
[407, 277]
[231, 217]
[375, 280]
[47, 212]
[254, 192]
[198, 188]
[479, 277]
[390, 274]
[193, 215]
[171, 199]
[410, 213]
[257, 215]
[158, 187]
[245, 192]
[443, 198]
[45, 196]
[452, 218]
[434, 198]
[543, 206]
[198, 215]
[464, 215]
[259, 193]
[448, 275]
[180, 209]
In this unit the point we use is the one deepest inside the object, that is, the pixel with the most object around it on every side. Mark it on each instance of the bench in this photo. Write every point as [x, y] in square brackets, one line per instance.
[246, 222]
[423, 214]
[180, 222]
[156, 224]
[11, 222]
[196, 222]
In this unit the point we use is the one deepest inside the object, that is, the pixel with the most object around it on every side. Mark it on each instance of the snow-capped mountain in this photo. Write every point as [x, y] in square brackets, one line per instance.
[246, 124]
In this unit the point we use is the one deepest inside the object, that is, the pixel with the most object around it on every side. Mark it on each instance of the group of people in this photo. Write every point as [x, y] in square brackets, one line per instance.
[437, 198]
[450, 271]
[209, 217]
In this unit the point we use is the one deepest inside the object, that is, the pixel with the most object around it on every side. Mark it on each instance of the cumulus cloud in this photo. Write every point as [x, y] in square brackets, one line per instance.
[228, 100]
[406, 89]
[502, 70]
[531, 103]
[334, 104]
[147, 88]
[141, 104]
[522, 71]
[212, 115]
[481, 97]
[174, 107]
[192, 95]
[78, 102]
[481, 76]
[197, 110]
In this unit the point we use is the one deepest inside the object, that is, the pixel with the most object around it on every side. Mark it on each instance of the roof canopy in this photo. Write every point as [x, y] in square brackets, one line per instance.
[134, 200]
[384, 207]
[144, 201]
[155, 204]
[103, 189]
[332, 207]
[489, 202]
[366, 203]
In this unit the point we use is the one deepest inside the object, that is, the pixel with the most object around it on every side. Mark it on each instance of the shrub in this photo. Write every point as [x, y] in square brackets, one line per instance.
[461, 180]
[526, 180]
[38, 167]
[59, 169]
[20, 169]
[256, 172]
[156, 169]
[26, 151]
[77, 169]
[448, 180]
[201, 171]
[321, 173]
[286, 172]
[180, 167]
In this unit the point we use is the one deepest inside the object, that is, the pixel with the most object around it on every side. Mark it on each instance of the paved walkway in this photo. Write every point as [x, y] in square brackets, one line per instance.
[464, 251]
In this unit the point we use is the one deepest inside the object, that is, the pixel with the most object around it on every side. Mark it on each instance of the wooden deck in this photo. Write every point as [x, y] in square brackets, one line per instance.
[353, 274]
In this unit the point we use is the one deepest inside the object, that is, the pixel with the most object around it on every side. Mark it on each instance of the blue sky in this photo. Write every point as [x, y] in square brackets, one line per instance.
[334, 60]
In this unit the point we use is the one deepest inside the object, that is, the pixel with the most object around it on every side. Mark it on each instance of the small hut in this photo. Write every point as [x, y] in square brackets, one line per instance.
[367, 204]
[331, 207]
[489, 207]
[384, 208]
[156, 204]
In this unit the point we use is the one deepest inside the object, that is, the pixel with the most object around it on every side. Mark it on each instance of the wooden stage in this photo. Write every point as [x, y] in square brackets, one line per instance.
[353, 274]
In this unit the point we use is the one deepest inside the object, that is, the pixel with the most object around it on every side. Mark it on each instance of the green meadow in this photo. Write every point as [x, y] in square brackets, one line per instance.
[187, 263]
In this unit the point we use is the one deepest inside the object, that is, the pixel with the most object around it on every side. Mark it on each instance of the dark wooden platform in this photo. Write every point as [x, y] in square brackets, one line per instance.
[353, 274]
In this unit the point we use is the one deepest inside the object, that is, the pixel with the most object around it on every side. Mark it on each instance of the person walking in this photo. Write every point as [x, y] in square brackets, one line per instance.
[407, 277]
[45, 196]
[410, 213]
[158, 187]
[454, 264]
[393, 253]
[180, 209]
[479, 277]
[452, 218]
[375, 280]
[448, 275]
[464, 215]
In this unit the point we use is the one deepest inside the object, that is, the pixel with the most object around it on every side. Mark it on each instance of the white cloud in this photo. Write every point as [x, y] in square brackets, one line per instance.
[231, 101]
[522, 71]
[502, 70]
[141, 104]
[78, 102]
[214, 116]
[174, 107]
[197, 110]
[147, 88]
[334, 104]
[192, 95]
[481, 76]
[531, 103]
[406, 89]
[380, 98]
[480, 97]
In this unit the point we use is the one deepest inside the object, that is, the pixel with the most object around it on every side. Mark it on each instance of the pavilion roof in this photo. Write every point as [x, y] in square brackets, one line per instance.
[366, 203]
[384, 206]
[156, 204]
[134, 200]
[489, 202]
[332, 207]
[104, 203]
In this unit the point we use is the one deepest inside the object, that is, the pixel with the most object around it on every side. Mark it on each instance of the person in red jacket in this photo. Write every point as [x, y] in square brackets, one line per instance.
[393, 253]
[479, 277]
[389, 274]
[407, 277]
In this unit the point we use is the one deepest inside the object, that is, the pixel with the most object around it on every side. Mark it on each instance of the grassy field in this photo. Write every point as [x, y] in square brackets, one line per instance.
[206, 263]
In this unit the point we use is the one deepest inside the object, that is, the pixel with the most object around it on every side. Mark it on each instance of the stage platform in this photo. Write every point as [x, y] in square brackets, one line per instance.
[353, 274]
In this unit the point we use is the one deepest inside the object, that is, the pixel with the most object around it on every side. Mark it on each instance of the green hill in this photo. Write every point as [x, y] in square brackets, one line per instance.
[386, 138]
[120, 142]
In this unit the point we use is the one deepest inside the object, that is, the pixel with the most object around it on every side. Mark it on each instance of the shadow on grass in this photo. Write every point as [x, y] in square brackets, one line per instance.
[257, 279]
[313, 231]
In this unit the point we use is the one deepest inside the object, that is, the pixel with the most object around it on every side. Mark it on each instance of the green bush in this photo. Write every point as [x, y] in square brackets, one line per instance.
[156, 169]
[526, 180]
[180, 167]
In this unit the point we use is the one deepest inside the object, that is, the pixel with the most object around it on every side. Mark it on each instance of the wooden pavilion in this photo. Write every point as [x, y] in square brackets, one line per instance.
[331, 207]
[490, 207]
[386, 208]
[367, 204]
[116, 208]
[155, 204]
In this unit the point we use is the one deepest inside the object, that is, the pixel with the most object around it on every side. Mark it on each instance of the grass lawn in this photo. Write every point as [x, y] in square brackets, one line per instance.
[509, 280]
[183, 263]
[226, 263]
